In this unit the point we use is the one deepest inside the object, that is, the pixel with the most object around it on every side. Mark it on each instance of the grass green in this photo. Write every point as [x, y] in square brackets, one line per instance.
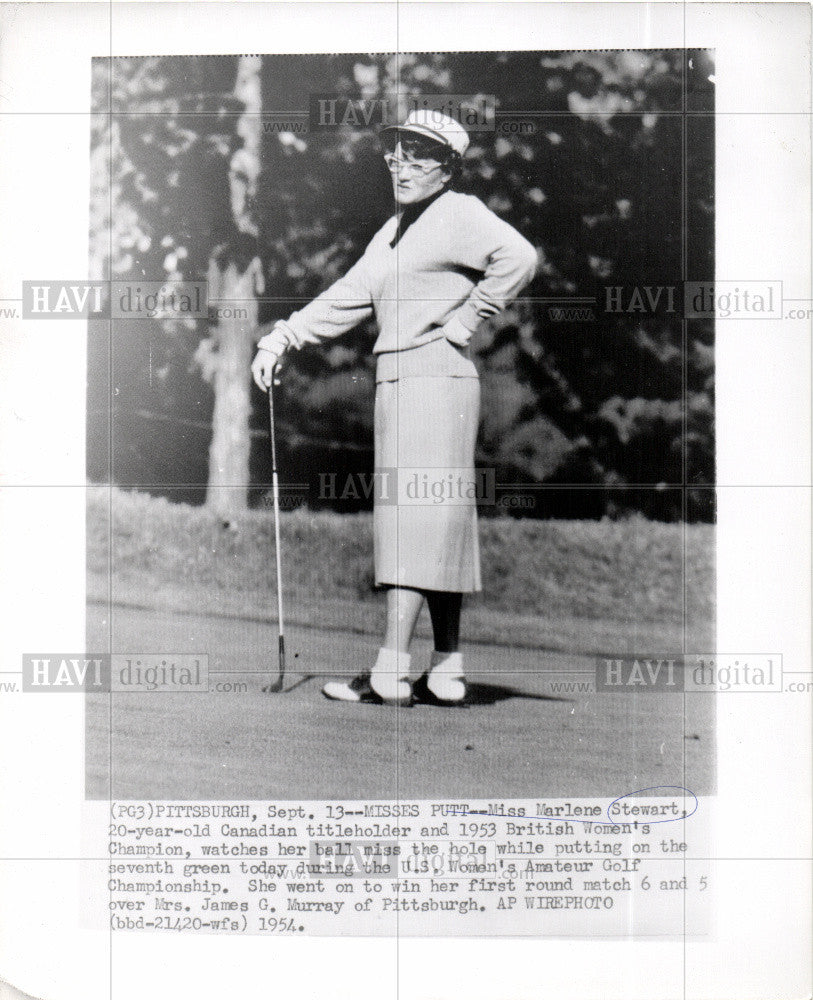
[593, 586]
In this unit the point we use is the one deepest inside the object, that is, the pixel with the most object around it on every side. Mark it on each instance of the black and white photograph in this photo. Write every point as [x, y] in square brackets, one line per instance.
[438, 445]
[405, 496]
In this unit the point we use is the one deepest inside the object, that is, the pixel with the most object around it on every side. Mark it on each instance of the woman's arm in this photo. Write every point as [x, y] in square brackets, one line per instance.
[336, 310]
[508, 262]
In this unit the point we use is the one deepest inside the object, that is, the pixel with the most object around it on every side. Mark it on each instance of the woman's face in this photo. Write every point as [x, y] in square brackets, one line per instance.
[414, 179]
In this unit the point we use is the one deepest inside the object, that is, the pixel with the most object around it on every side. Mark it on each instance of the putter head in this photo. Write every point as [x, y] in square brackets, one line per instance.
[276, 687]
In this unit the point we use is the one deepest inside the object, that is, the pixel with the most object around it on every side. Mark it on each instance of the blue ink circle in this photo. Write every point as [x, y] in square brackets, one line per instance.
[653, 788]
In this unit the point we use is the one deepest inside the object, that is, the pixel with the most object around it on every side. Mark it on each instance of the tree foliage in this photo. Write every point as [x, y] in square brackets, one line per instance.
[607, 169]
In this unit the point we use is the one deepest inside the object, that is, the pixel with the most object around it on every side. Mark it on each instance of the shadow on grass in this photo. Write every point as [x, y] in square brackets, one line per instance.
[476, 694]
[490, 694]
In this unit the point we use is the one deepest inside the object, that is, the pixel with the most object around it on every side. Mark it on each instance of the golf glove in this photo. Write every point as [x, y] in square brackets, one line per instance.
[270, 349]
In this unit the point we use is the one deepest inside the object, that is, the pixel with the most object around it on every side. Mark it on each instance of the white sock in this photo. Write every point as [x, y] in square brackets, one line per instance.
[446, 680]
[390, 675]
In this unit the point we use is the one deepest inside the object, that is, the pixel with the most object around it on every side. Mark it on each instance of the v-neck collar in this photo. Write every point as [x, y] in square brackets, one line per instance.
[411, 213]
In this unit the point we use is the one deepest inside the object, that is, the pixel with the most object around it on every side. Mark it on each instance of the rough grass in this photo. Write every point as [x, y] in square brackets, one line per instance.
[633, 585]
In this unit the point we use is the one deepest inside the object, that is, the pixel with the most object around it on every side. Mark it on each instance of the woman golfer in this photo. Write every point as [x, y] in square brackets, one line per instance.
[439, 266]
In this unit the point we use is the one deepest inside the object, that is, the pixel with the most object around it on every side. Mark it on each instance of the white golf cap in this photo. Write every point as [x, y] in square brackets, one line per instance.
[435, 125]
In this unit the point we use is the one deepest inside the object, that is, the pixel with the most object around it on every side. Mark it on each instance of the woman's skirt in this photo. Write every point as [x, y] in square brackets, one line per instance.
[425, 512]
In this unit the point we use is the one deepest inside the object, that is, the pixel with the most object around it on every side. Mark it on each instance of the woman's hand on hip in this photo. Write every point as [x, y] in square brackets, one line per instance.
[456, 333]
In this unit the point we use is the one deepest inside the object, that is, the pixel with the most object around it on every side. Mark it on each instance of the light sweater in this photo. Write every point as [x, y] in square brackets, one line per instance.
[455, 265]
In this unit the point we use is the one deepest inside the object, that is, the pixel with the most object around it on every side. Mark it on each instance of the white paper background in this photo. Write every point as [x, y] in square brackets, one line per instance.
[763, 191]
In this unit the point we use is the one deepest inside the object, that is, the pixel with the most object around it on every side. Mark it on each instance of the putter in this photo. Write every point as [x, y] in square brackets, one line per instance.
[276, 686]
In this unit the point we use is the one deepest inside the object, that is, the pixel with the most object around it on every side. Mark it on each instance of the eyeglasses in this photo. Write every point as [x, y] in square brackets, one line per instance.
[414, 167]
